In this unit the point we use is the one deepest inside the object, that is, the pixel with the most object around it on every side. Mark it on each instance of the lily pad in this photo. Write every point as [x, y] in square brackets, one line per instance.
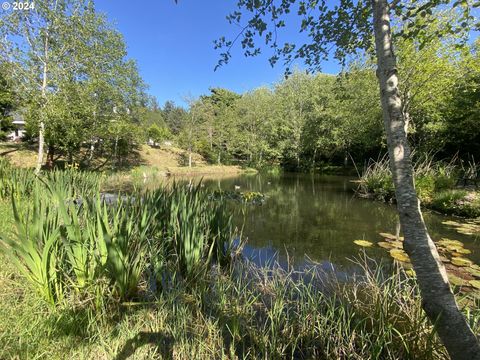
[451, 223]
[396, 244]
[363, 243]
[458, 261]
[449, 242]
[454, 248]
[475, 283]
[399, 255]
[456, 281]
[473, 272]
[390, 236]
[475, 266]
[410, 273]
[463, 251]
[385, 245]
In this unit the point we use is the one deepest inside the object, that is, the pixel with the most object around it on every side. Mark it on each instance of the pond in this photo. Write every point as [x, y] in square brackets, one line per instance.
[317, 217]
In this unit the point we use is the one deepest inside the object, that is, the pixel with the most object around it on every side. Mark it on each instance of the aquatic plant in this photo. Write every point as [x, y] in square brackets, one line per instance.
[14, 180]
[460, 270]
[35, 248]
[249, 197]
[86, 239]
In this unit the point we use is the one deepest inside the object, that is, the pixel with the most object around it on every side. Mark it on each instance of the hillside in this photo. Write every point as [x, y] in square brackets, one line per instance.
[170, 160]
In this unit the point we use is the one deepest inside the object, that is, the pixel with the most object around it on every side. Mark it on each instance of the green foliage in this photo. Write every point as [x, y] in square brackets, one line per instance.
[344, 25]
[435, 183]
[71, 67]
[69, 237]
[250, 313]
[174, 116]
[7, 102]
[158, 134]
[377, 181]
[458, 202]
[425, 186]
[249, 197]
[123, 238]
[15, 181]
[35, 248]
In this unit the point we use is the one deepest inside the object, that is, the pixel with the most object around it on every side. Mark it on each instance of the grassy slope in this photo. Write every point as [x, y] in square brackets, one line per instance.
[171, 160]
[21, 155]
[175, 160]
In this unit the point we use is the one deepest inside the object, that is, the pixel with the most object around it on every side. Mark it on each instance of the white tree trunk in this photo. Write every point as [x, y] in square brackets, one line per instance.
[41, 146]
[438, 300]
[41, 127]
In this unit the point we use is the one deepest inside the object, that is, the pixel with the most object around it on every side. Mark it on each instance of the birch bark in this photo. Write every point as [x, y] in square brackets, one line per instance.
[438, 300]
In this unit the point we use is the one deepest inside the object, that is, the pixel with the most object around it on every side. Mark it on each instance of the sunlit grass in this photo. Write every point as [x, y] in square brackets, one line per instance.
[155, 275]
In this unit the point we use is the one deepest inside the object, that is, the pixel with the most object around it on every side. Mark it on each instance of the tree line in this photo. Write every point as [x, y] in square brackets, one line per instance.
[72, 80]
[308, 120]
[65, 68]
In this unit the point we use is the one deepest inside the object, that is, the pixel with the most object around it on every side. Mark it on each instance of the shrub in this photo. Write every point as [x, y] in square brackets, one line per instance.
[456, 202]
[425, 186]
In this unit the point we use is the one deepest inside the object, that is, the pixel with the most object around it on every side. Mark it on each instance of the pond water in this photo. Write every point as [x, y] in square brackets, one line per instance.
[317, 217]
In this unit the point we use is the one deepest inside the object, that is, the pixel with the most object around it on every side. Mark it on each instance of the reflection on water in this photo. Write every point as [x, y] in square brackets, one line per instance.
[317, 217]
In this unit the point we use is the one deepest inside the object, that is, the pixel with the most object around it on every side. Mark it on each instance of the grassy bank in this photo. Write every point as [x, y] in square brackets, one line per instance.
[440, 186]
[145, 160]
[159, 274]
[253, 314]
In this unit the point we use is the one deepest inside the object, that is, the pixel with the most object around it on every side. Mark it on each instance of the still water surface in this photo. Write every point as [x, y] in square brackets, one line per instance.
[317, 217]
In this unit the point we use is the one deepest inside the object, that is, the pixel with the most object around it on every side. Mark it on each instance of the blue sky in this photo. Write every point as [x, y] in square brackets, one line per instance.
[173, 45]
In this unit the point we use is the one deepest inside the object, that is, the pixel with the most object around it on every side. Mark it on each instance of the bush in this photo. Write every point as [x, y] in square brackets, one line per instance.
[425, 186]
[377, 181]
[434, 183]
[457, 202]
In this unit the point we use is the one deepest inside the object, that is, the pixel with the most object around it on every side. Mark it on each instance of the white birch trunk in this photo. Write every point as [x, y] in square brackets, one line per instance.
[438, 300]
[41, 127]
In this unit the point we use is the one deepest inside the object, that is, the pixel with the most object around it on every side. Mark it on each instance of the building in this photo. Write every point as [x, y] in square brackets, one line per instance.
[19, 128]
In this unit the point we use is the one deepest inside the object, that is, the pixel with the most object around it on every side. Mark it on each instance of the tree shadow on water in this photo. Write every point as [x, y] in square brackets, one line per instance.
[163, 342]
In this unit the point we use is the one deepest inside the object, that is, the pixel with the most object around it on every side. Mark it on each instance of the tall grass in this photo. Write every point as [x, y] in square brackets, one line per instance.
[35, 250]
[158, 268]
[76, 239]
[436, 183]
[21, 182]
[430, 177]
[250, 313]
[280, 314]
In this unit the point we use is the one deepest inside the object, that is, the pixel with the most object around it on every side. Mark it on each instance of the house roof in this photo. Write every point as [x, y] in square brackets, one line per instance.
[17, 119]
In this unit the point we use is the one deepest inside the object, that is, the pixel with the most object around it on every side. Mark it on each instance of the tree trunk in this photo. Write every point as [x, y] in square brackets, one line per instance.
[41, 127]
[189, 157]
[41, 140]
[438, 300]
[50, 156]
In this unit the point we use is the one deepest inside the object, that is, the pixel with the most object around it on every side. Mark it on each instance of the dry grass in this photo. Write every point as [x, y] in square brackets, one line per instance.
[168, 160]
[173, 161]
[19, 154]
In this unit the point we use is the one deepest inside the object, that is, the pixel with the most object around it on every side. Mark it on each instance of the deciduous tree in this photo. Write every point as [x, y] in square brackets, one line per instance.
[347, 26]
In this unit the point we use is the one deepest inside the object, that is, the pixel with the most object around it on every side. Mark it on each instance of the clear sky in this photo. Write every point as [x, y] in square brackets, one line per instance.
[173, 45]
